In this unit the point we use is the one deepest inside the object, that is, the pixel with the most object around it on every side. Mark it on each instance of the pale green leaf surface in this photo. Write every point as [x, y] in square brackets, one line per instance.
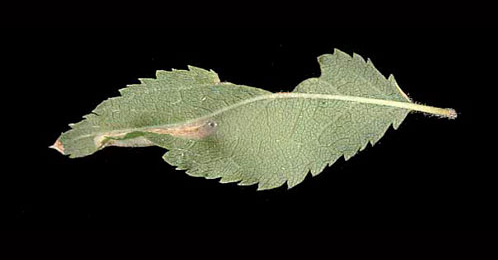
[254, 136]
[173, 98]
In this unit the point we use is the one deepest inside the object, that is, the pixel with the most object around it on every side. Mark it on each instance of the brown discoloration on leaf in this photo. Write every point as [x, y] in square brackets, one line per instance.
[58, 146]
[100, 140]
[195, 131]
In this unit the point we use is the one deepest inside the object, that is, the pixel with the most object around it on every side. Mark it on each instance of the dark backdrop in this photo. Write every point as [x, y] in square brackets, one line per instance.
[426, 175]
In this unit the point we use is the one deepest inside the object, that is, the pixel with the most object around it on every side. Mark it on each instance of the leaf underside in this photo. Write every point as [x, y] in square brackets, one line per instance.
[243, 134]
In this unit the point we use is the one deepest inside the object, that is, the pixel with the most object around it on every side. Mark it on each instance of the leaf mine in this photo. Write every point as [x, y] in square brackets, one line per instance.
[247, 135]
[196, 131]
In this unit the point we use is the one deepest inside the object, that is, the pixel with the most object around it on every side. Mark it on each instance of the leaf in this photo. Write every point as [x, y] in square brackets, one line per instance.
[248, 135]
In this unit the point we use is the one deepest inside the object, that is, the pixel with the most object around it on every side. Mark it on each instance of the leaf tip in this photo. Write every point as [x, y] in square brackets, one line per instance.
[58, 146]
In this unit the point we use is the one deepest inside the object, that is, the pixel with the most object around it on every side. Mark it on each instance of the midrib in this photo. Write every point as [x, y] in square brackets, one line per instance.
[444, 112]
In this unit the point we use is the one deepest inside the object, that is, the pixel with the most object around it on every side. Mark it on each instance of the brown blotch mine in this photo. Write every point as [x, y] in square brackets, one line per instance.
[58, 146]
[195, 131]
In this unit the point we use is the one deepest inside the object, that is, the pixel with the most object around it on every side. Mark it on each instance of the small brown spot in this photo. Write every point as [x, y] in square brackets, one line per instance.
[58, 146]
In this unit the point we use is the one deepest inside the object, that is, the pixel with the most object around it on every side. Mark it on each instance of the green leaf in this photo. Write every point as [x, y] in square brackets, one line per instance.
[248, 135]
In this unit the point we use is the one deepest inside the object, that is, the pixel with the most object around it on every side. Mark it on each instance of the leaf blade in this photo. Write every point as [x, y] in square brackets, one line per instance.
[248, 135]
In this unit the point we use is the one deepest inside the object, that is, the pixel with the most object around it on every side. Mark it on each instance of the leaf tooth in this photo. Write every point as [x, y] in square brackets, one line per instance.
[376, 71]
[316, 171]
[147, 81]
[210, 175]
[195, 172]
[341, 54]
[364, 145]
[376, 138]
[393, 81]
[397, 121]
[321, 166]
[230, 178]
[248, 182]
[123, 91]
[197, 69]
[297, 179]
[194, 68]
[267, 185]
[129, 88]
[358, 57]
[350, 153]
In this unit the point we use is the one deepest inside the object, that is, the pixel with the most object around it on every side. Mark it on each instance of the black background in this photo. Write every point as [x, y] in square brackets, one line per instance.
[428, 175]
